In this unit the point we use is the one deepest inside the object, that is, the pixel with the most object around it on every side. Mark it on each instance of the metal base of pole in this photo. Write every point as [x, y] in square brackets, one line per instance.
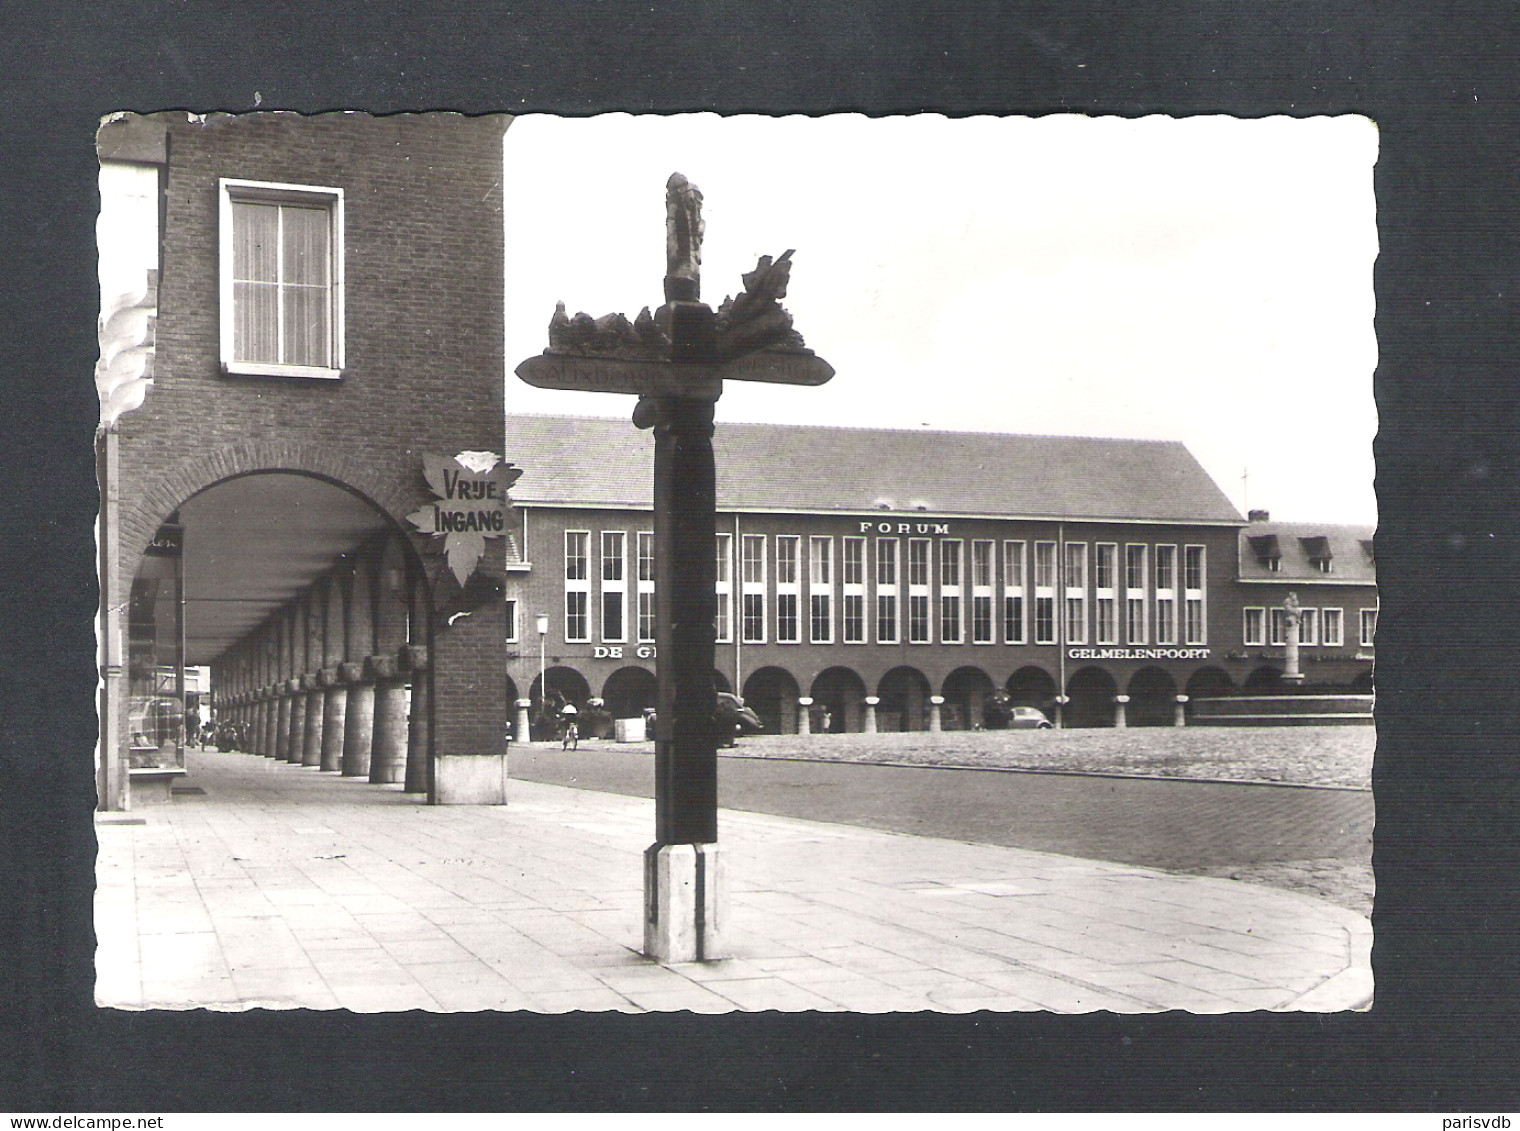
[685, 903]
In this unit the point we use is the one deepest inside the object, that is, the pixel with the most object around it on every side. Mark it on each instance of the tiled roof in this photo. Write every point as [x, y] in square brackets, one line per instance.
[769, 467]
[1298, 545]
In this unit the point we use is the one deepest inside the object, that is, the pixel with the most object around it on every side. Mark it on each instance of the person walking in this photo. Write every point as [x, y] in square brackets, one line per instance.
[569, 717]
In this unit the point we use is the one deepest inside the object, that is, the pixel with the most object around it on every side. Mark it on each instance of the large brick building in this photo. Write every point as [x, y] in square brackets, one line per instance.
[319, 310]
[892, 580]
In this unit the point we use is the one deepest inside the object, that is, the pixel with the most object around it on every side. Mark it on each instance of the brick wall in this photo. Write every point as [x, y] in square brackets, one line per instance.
[423, 370]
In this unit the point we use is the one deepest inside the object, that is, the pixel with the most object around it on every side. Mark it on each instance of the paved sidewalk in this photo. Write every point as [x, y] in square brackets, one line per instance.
[281, 886]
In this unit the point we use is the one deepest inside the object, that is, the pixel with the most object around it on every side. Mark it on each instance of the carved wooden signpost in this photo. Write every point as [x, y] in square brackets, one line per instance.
[675, 361]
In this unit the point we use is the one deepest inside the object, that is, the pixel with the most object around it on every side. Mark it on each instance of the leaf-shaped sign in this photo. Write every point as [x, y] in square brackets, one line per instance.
[471, 506]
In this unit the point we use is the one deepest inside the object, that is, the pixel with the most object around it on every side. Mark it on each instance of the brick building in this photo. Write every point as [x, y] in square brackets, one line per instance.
[1332, 571]
[315, 310]
[892, 580]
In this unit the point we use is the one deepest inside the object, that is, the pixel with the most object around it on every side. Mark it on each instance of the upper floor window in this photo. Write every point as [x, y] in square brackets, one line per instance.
[281, 279]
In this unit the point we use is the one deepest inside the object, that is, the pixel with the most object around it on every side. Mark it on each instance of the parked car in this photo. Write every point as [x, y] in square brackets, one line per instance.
[1028, 718]
[731, 710]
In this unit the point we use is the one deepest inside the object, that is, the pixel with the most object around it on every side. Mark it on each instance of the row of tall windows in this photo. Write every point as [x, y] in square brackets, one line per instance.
[1268, 627]
[824, 589]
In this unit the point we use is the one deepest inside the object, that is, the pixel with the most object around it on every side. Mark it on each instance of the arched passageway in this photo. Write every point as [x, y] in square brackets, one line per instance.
[1032, 687]
[1265, 680]
[841, 693]
[1152, 699]
[966, 691]
[263, 602]
[772, 694]
[904, 705]
[1210, 683]
[1092, 692]
[629, 692]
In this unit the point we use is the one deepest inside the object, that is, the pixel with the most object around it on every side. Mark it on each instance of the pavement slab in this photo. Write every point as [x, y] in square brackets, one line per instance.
[280, 886]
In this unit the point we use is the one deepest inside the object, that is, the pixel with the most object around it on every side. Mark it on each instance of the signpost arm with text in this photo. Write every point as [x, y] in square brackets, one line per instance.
[675, 361]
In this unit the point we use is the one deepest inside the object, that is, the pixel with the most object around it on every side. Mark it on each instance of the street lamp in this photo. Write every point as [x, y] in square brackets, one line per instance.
[543, 678]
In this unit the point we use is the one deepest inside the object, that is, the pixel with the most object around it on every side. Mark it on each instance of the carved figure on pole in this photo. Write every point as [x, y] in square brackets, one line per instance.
[675, 361]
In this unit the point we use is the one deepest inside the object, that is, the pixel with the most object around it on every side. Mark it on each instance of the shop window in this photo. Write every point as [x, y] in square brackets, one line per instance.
[281, 279]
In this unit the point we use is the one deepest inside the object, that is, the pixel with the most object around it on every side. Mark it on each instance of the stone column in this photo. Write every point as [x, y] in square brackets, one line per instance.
[872, 702]
[359, 642]
[1180, 718]
[311, 664]
[1292, 673]
[311, 731]
[297, 721]
[525, 720]
[334, 717]
[418, 738]
[935, 703]
[387, 763]
[330, 616]
[261, 731]
[804, 714]
[282, 703]
[1121, 715]
[359, 720]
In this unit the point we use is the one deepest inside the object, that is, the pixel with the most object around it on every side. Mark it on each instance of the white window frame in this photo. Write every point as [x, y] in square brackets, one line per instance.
[788, 612]
[1137, 629]
[511, 620]
[1258, 638]
[232, 190]
[1045, 595]
[578, 586]
[821, 589]
[1015, 608]
[1105, 602]
[751, 588]
[1074, 585]
[1166, 594]
[645, 613]
[919, 595]
[1277, 627]
[1196, 598]
[1365, 618]
[1308, 628]
[952, 576]
[852, 564]
[615, 563]
[723, 552]
[1327, 618]
[887, 550]
[983, 573]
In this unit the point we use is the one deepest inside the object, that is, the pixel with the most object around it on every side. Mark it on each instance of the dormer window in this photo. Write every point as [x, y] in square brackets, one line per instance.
[1268, 552]
[1317, 550]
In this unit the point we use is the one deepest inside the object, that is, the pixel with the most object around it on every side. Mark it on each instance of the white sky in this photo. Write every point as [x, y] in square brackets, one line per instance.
[1207, 280]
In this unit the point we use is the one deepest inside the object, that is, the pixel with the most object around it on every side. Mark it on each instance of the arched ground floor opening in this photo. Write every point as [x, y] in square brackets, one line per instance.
[629, 692]
[904, 694]
[772, 693]
[965, 691]
[1152, 699]
[838, 702]
[1091, 692]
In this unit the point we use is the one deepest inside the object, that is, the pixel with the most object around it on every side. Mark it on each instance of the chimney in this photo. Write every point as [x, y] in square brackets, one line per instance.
[1258, 516]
